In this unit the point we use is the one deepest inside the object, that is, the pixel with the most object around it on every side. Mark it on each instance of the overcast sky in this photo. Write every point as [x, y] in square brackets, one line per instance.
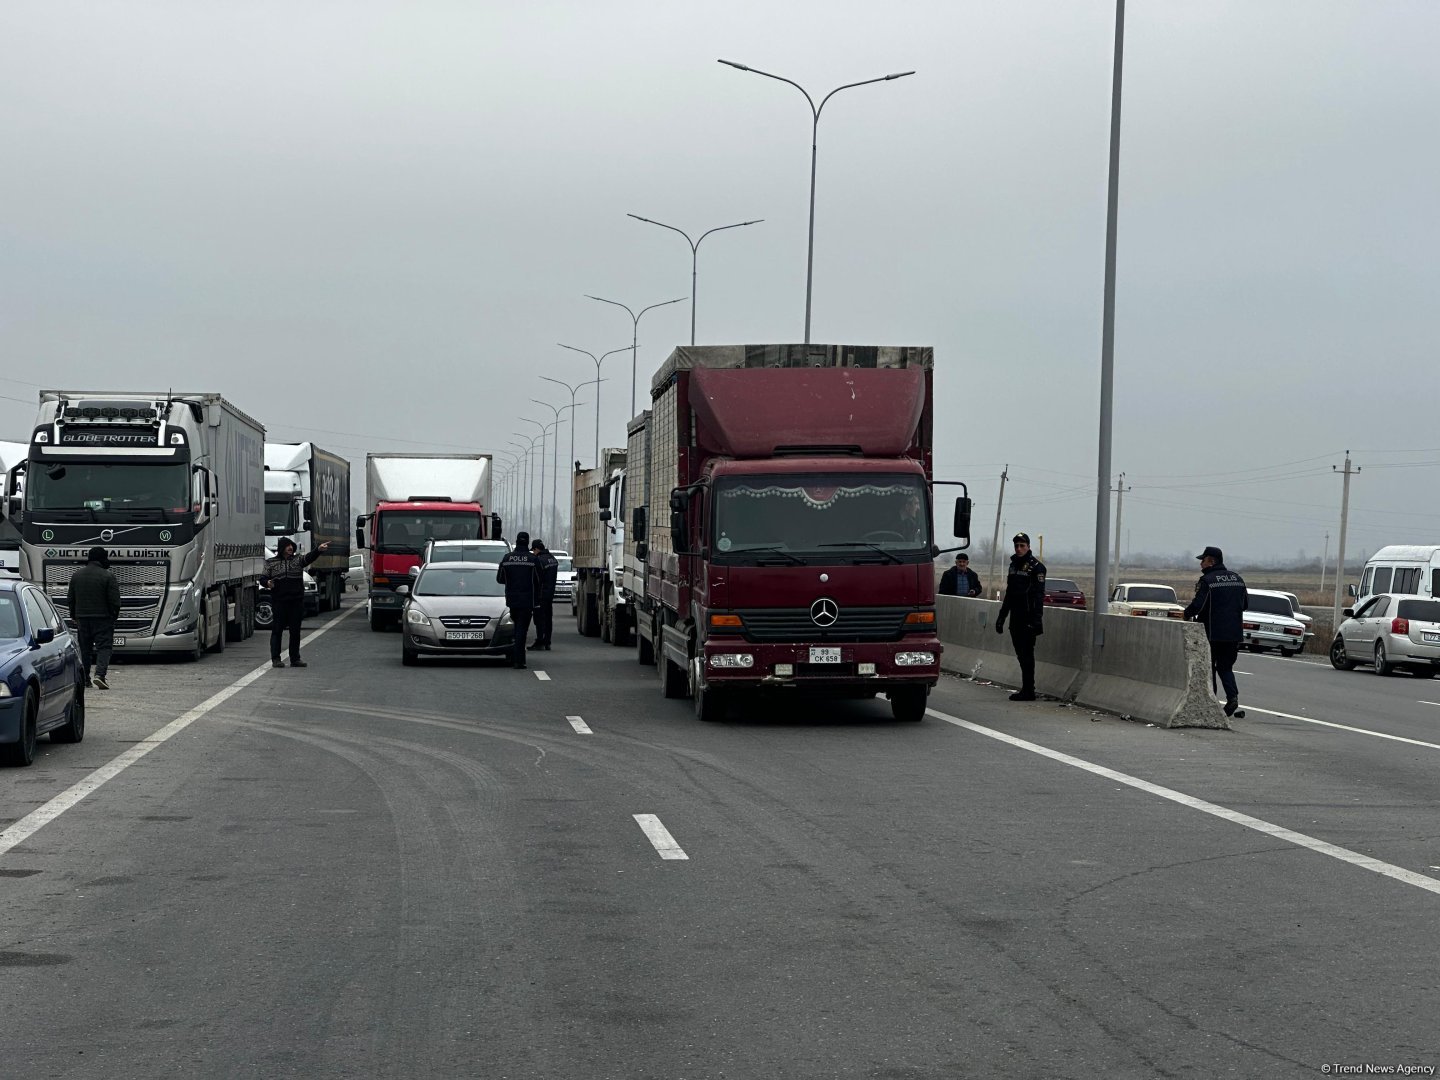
[371, 222]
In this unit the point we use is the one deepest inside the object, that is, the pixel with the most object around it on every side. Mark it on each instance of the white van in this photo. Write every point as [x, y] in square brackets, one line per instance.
[1402, 568]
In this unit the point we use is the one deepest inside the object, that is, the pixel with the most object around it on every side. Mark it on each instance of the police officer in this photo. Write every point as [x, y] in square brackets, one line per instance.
[518, 574]
[960, 580]
[547, 568]
[1220, 602]
[1024, 605]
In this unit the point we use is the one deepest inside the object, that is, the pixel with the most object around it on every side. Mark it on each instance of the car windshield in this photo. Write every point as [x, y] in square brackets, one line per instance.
[1270, 605]
[457, 581]
[1151, 594]
[77, 485]
[409, 532]
[9, 616]
[468, 553]
[822, 516]
[1060, 584]
[277, 517]
[565, 564]
[1420, 610]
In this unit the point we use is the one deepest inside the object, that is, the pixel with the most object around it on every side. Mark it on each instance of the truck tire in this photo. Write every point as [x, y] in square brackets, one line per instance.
[235, 628]
[587, 621]
[644, 649]
[710, 705]
[607, 629]
[908, 703]
[377, 620]
[221, 631]
[619, 629]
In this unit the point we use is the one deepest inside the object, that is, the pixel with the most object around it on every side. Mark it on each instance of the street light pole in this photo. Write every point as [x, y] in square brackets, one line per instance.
[544, 439]
[814, 153]
[636, 346]
[570, 467]
[529, 471]
[554, 466]
[598, 361]
[694, 255]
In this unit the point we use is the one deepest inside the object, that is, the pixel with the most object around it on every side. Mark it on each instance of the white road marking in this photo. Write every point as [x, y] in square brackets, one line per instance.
[1239, 672]
[37, 819]
[1365, 862]
[660, 836]
[542, 676]
[1344, 727]
[579, 725]
[1290, 660]
[1427, 703]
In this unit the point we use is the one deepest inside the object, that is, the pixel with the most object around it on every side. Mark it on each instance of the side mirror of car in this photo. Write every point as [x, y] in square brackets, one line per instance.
[45, 635]
[402, 590]
[1351, 592]
[414, 571]
[1349, 613]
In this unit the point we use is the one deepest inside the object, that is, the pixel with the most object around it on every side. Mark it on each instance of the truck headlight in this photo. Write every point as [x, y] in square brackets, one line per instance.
[732, 660]
[914, 659]
[416, 617]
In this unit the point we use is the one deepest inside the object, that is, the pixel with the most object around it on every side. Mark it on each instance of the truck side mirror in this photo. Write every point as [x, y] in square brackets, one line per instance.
[962, 518]
[642, 549]
[639, 524]
[677, 533]
[497, 527]
[679, 499]
[604, 515]
[603, 498]
[360, 532]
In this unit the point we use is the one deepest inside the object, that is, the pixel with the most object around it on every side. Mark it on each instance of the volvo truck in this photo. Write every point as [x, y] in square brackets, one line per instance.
[788, 539]
[307, 498]
[172, 485]
[412, 499]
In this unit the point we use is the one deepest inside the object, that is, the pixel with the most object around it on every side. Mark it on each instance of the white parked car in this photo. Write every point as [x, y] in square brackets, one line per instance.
[1270, 623]
[565, 576]
[1306, 619]
[1389, 631]
[1158, 601]
[355, 573]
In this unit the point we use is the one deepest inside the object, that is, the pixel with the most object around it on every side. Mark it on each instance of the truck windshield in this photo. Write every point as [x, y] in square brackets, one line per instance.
[98, 486]
[278, 521]
[402, 531]
[825, 516]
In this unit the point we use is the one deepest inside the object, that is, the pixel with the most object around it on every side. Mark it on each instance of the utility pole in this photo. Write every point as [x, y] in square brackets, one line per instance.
[1120, 490]
[995, 541]
[1347, 472]
[1323, 560]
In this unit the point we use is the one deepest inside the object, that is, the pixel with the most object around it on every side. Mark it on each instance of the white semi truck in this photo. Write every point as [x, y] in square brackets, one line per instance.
[172, 484]
[307, 498]
[602, 608]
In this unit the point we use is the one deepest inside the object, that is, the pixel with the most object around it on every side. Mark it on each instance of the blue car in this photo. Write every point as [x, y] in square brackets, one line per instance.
[41, 678]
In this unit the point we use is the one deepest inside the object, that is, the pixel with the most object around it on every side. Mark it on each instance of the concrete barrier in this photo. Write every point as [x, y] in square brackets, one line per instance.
[1149, 669]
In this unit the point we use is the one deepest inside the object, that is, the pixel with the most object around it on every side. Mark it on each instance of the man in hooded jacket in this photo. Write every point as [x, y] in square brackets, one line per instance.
[285, 578]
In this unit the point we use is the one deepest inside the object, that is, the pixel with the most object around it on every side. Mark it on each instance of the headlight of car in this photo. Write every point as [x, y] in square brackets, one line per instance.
[505, 619]
[5, 690]
[415, 617]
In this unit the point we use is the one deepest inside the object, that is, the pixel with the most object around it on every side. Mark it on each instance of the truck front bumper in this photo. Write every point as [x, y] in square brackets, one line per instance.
[861, 666]
[386, 600]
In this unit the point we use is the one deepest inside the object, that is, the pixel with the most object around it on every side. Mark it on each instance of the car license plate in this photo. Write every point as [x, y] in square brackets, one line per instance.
[1432, 635]
[824, 656]
[464, 635]
[117, 641]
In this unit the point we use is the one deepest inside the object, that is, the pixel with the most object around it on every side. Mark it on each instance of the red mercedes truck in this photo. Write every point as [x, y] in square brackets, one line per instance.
[793, 544]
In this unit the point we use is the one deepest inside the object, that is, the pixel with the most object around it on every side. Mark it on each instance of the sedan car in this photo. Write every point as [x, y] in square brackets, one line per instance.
[1390, 631]
[41, 677]
[1061, 592]
[1270, 623]
[1158, 601]
[455, 609]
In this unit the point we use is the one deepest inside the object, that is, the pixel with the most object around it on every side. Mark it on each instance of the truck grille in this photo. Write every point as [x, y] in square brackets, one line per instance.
[794, 624]
[142, 591]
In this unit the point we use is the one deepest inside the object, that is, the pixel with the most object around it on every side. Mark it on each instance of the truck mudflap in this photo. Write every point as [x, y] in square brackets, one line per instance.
[848, 666]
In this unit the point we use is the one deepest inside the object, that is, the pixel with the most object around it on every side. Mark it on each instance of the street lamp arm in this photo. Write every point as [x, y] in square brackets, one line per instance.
[780, 78]
[617, 304]
[612, 352]
[662, 225]
[662, 303]
[867, 82]
[572, 348]
[722, 228]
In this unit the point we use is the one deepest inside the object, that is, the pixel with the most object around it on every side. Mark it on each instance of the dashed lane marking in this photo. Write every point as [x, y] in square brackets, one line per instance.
[542, 676]
[1365, 862]
[37, 819]
[1345, 727]
[579, 725]
[660, 836]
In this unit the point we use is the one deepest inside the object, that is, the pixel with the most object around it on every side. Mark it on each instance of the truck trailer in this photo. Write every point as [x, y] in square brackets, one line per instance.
[415, 498]
[596, 551]
[172, 485]
[307, 498]
[788, 540]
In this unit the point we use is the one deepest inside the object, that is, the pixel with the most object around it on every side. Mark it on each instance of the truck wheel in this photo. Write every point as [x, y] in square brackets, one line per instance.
[619, 629]
[249, 614]
[644, 649]
[908, 703]
[235, 628]
[607, 630]
[710, 705]
[587, 621]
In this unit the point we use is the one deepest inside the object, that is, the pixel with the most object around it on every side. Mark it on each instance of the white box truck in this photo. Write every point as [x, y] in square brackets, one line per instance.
[307, 498]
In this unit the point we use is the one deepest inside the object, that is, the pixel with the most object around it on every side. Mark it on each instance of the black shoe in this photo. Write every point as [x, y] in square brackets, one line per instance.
[1023, 695]
[275, 661]
[99, 683]
[298, 663]
[1232, 706]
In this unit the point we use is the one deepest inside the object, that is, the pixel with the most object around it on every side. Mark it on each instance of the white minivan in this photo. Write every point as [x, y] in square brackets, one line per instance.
[1402, 568]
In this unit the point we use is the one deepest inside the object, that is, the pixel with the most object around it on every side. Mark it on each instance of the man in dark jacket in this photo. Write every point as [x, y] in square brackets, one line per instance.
[519, 575]
[1220, 603]
[285, 578]
[1024, 605]
[94, 602]
[960, 580]
[547, 568]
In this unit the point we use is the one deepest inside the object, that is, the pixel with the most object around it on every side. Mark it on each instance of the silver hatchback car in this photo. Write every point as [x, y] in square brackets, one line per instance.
[1390, 631]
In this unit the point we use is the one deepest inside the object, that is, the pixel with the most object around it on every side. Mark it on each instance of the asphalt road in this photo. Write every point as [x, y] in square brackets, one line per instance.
[361, 869]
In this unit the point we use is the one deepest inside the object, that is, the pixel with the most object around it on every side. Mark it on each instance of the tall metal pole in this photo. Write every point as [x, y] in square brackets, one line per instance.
[570, 467]
[995, 540]
[635, 328]
[814, 143]
[694, 255]
[1344, 520]
[598, 361]
[1107, 352]
[539, 524]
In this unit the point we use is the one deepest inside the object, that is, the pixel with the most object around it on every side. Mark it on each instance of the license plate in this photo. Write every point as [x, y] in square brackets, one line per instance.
[117, 641]
[824, 656]
[464, 635]
[1430, 635]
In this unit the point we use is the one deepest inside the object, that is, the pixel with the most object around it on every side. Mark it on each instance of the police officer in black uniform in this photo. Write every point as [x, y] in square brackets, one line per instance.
[1220, 602]
[1024, 605]
[522, 585]
[547, 567]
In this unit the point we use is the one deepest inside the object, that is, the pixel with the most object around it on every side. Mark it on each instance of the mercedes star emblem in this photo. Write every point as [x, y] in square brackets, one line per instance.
[824, 612]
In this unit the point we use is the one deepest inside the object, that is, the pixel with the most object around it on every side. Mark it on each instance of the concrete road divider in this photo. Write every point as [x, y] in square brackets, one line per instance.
[1148, 669]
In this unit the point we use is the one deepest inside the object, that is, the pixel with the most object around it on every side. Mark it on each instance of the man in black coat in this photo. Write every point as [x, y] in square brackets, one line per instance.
[547, 568]
[1220, 603]
[960, 580]
[1024, 605]
[519, 575]
[93, 599]
[285, 578]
